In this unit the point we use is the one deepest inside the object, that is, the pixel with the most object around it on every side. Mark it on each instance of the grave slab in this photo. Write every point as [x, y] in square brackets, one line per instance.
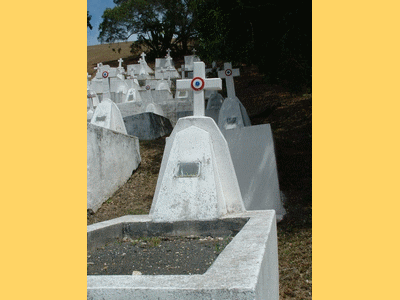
[111, 159]
[197, 179]
[107, 115]
[253, 155]
[246, 269]
[147, 126]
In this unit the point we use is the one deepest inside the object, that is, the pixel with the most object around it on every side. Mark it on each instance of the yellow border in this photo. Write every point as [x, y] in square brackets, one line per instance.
[355, 149]
[43, 162]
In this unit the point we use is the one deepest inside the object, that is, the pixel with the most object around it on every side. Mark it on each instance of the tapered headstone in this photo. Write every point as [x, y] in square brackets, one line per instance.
[198, 84]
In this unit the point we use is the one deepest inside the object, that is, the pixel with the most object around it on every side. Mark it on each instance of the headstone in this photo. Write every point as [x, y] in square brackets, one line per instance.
[228, 73]
[107, 115]
[197, 180]
[253, 155]
[165, 68]
[198, 84]
[133, 95]
[147, 126]
[214, 106]
[232, 115]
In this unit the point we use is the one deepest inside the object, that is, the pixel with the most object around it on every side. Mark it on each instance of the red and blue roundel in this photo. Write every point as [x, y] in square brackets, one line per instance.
[228, 72]
[197, 84]
[148, 87]
[104, 74]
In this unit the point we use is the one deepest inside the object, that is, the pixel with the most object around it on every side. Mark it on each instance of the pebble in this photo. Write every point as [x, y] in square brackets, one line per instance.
[136, 273]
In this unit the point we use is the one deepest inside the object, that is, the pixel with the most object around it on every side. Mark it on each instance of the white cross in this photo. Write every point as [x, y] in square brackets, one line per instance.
[194, 51]
[120, 63]
[143, 55]
[169, 52]
[198, 84]
[99, 65]
[228, 73]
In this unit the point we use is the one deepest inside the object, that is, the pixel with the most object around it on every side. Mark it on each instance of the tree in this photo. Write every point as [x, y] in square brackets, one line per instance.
[159, 24]
[89, 17]
[274, 35]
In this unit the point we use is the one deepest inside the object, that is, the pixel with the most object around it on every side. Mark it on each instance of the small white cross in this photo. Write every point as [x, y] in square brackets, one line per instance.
[99, 65]
[228, 73]
[194, 51]
[120, 63]
[143, 55]
[198, 84]
[168, 52]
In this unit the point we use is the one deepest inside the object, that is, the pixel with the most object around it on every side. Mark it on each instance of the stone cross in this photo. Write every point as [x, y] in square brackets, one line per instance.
[198, 84]
[120, 63]
[99, 65]
[143, 55]
[168, 52]
[194, 51]
[228, 73]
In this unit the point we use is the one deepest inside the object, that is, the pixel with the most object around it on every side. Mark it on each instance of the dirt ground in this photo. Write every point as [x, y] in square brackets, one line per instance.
[290, 117]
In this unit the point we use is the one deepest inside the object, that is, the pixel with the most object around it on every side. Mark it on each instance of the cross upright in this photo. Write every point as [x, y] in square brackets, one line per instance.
[143, 55]
[120, 63]
[228, 73]
[168, 52]
[198, 84]
[99, 65]
[194, 51]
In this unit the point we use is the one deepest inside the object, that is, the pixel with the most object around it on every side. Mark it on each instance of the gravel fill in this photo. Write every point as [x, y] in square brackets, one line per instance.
[156, 256]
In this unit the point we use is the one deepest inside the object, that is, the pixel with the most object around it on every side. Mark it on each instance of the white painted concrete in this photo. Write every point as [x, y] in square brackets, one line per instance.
[111, 159]
[198, 85]
[207, 193]
[253, 155]
[247, 269]
[228, 73]
[232, 115]
[107, 115]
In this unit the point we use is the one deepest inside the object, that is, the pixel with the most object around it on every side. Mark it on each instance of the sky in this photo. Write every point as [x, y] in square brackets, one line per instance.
[96, 9]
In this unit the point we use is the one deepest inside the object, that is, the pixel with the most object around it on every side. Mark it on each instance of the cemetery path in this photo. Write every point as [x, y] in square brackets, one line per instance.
[290, 117]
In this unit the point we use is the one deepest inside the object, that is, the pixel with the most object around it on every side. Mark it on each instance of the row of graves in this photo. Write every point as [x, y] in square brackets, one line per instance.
[218, 174]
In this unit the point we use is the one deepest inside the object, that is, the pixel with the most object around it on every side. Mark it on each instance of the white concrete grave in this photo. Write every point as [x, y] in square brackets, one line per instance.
[228, 73]
[232, 115]
[214, 105]
[247, 269]
[107, 115]
[165, 68]
[198, 84]
[111, 159]
[253, 155]
[197, 180]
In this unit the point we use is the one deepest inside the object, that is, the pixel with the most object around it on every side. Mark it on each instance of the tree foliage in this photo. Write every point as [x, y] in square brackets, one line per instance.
[89, 17]
[159, 24]
[274, 35]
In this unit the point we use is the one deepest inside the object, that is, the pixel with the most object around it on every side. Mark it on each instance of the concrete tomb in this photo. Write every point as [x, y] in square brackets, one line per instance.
[253, 155]
[107, 115]
[111, 159]
[232, 115]
[141, 69]
[147, 126]
[197, 179]
[165, 68]
[247, 269]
